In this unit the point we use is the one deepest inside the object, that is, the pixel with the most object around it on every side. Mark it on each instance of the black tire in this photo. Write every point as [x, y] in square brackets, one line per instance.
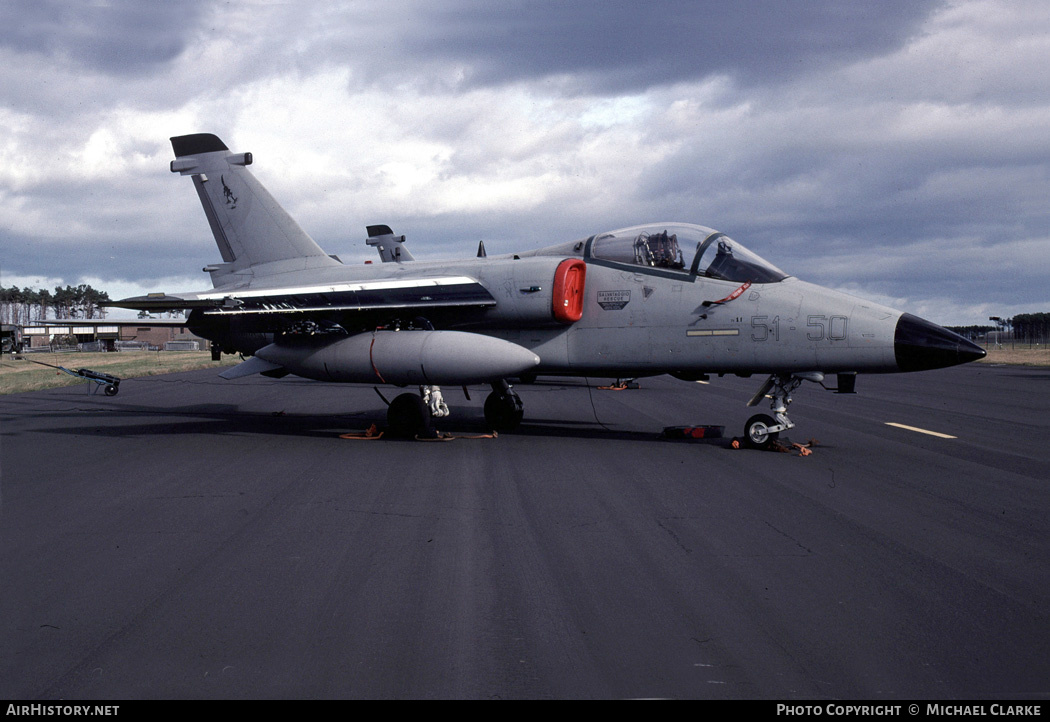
[755, 432]
[503, 412]
[111, 390]
[407, 416]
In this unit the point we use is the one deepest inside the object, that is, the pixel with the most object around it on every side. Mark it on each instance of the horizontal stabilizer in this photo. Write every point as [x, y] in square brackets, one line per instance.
[254, 365]
[390, 247]
[159, 302]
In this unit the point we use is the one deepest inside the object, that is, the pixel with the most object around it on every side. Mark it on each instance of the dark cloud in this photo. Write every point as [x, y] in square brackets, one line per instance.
[121, 37]
[115, 258]
[627, 46]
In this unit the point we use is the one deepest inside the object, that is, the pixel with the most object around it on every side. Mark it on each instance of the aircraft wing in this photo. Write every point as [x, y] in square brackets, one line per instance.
[383, 294]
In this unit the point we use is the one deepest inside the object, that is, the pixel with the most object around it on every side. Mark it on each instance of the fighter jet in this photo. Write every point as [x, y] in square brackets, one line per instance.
[661, 298]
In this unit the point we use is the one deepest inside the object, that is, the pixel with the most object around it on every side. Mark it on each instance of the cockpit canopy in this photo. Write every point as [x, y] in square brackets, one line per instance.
[687, 249]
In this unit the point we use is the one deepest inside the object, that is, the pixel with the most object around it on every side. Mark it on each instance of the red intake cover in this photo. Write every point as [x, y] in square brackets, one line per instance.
[568, 290]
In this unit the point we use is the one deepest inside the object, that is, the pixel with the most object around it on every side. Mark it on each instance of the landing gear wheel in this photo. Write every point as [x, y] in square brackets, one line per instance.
[503, 411]
[757, 434]
[407, 417]
[111, 390]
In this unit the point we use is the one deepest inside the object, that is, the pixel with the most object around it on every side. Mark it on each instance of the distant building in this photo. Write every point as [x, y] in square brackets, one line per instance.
[154, 333]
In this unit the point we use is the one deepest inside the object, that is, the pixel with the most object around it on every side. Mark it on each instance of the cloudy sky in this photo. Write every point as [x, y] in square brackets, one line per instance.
[898, 150]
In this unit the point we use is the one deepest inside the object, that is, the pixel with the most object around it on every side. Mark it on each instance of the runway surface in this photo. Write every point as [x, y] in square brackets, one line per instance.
[198, 538]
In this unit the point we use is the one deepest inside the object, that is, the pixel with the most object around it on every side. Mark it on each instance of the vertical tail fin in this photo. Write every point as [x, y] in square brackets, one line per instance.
[251, 229]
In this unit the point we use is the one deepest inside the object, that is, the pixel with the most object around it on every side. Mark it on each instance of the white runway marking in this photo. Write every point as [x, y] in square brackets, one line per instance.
[922, 431]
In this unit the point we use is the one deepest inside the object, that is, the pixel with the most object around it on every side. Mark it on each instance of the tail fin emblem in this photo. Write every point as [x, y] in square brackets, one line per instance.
[231, 200]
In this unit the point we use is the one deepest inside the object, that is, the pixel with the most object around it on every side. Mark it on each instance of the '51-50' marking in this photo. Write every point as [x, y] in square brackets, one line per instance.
[833, 328]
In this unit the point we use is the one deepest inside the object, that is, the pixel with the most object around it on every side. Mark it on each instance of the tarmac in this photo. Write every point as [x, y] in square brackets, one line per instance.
[207, 539]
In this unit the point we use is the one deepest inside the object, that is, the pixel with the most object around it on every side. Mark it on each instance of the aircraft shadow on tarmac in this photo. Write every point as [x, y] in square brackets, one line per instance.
[226, 419]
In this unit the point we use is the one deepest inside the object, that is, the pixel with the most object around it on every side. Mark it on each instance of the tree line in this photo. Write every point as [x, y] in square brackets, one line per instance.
[24, 306]
[1024, 327]
[1031, 327]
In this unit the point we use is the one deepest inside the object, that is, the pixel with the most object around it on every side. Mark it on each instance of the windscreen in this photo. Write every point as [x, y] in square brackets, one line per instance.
[685, 248]
[719, 256]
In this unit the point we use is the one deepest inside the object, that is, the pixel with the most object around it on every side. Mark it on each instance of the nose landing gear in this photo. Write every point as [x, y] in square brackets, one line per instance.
[761, 430]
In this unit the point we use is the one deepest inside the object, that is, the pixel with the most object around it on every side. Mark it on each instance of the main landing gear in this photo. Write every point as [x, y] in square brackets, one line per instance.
[762, 430]
[503, 407]
[407, 416]
[410, 415]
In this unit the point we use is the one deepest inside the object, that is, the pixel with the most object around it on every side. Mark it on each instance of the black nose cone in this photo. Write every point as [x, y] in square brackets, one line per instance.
[921, 345]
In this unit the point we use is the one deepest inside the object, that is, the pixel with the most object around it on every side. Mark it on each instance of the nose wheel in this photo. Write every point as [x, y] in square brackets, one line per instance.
[757, 431]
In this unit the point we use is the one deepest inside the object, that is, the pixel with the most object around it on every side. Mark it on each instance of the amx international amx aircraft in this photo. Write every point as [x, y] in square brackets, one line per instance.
[671, 298]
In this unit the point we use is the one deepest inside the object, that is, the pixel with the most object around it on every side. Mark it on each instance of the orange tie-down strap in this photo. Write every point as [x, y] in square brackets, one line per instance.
[371, 434]
[805, 449]
[442, 436]
[374, 433]
[620, 385]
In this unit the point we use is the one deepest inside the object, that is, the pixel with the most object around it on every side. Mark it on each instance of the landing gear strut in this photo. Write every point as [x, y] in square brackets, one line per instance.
[503, 407]
[762, 430]
[434, 400]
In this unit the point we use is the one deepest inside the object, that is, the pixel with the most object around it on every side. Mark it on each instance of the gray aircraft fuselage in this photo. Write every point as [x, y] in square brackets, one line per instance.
[640, 321]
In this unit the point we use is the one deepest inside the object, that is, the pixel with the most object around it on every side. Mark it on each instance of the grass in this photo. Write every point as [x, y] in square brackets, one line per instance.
[21, 374]
[1018, 355]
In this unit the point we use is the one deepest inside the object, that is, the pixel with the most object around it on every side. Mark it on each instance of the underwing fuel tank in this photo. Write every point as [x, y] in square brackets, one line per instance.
[405, 357]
